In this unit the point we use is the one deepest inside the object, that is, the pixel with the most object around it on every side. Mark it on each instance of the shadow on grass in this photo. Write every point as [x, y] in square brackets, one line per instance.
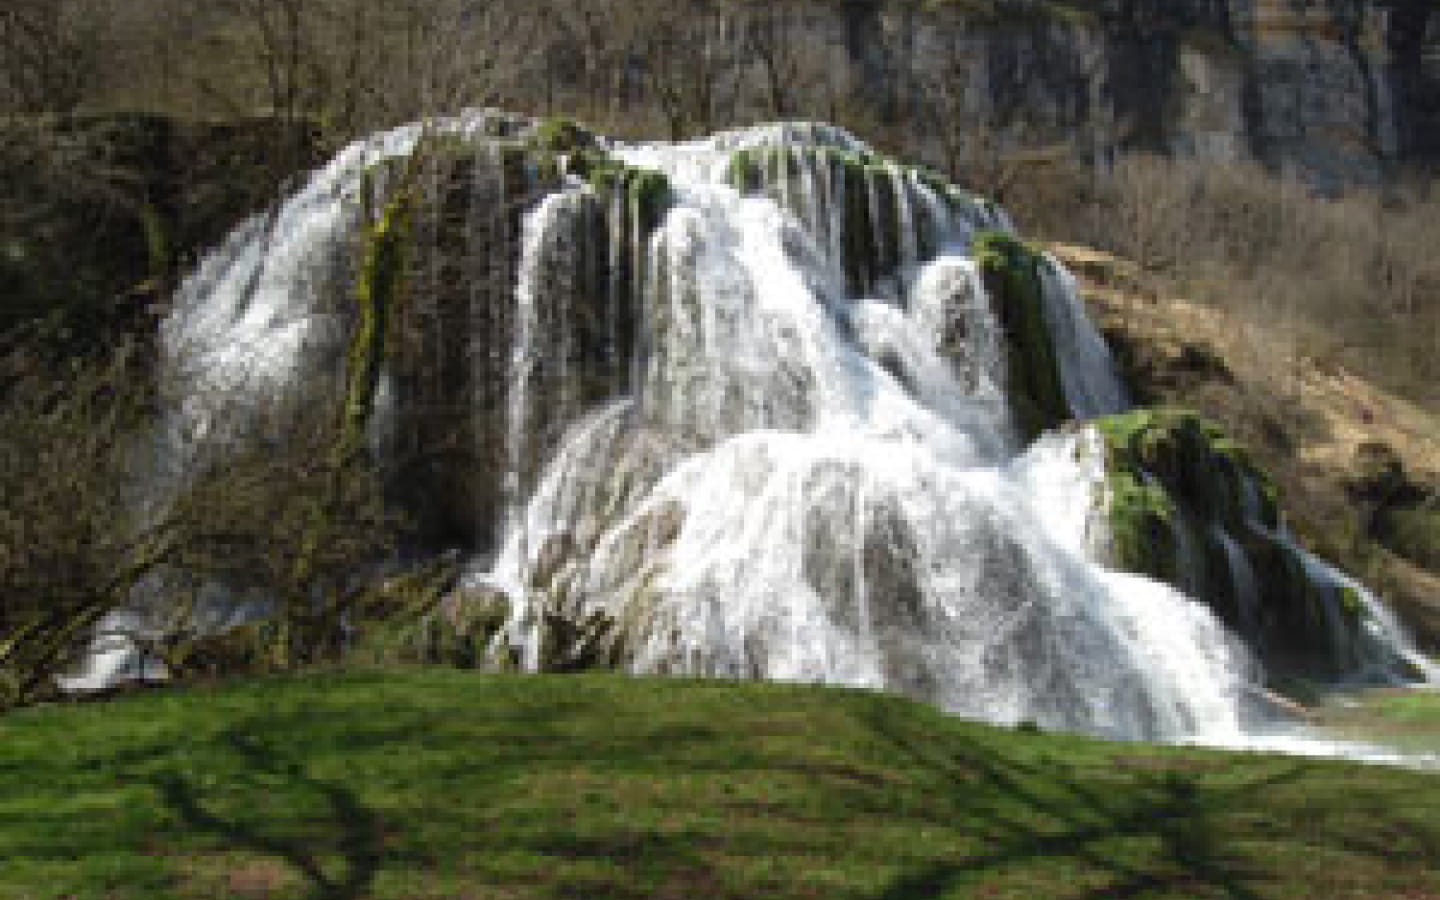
[548, 790]
[349, 829]
[1040, 812]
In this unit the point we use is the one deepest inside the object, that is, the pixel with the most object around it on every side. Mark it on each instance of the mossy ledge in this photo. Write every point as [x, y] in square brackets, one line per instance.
[560, 146]
[1011, 272]
[1165, 462]
[648, 192]
[1192, 459]
[561, 135]
[1182, 499]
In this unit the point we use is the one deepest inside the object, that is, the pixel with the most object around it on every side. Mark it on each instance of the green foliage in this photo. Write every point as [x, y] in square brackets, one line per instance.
[1205, 469]
[648, 193]
[1012, 278]
[437, 783]
[649, 196]
[745, 172]
[560, 135]
[1160, 460]
[378, 290]
[1350, 602]
[1142, 520]
[1173, 477]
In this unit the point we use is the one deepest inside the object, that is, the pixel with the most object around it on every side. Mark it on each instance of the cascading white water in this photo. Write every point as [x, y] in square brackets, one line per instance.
[800, 482]
[1087, 372]
[833, 495]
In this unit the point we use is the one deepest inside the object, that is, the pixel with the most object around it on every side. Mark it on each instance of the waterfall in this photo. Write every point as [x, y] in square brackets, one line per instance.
[768, 429]
[832, 489]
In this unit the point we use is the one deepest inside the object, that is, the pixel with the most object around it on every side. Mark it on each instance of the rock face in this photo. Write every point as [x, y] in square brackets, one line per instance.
[475, 318]
[1338, 90]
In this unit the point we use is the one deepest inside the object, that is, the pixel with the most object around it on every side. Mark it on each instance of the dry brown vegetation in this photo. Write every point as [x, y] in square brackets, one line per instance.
[94, 512]
[1351, 281]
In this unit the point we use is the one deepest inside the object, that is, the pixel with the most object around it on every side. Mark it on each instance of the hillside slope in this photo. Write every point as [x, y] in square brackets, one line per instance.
[441, 784]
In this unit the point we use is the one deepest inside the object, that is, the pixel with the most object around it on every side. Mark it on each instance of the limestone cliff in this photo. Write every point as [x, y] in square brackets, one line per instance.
[1340, 90]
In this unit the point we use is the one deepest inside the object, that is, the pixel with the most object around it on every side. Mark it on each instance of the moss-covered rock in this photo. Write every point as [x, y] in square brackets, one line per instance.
[1194, 461]
[378, 288]
[1184, 502]
[1142, 519]
[649, 194]
[1011, 272]
[561, 135]
[745, 171]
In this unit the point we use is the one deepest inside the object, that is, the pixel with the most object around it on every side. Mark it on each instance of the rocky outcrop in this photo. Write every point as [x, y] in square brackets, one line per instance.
[469, 316]
[1358, 469]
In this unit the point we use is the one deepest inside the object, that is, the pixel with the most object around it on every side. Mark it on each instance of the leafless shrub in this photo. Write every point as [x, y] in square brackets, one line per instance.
[1346, 279]
[50, 53]
[91, 515]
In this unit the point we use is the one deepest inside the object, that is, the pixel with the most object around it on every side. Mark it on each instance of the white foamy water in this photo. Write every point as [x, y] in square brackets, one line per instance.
[833, 491]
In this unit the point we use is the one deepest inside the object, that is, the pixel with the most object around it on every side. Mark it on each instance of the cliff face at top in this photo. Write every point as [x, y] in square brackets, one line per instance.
[1340, 90]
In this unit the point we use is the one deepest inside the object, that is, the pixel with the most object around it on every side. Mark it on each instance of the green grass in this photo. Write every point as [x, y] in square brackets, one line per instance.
[441, 784]
[1405, 720]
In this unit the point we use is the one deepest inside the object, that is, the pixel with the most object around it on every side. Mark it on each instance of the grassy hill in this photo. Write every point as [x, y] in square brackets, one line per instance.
[443, 784]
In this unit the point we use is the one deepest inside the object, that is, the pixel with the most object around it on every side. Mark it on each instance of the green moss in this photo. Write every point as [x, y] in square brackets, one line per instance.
[561, 135]
[157, 244]
[445, 145]
[597, 168]
[1142, 527]
[1012, 277]
[1168, 466]
[1350, 602]
[649, 195]
[647, 191]
[1195, 459]
[377, 291]
[745, 172]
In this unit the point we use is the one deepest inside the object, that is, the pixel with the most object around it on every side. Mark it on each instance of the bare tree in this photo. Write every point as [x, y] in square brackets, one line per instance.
[49, 53]
[89, 518]
[688, 54]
